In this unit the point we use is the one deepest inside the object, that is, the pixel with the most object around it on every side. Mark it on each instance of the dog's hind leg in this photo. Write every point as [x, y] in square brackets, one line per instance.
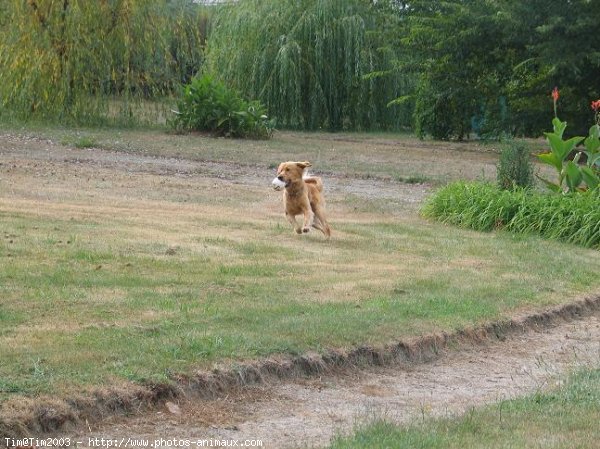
[317, 224]
[320, 222]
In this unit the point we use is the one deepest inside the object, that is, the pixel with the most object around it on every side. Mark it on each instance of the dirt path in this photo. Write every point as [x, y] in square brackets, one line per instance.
[24, 158]
[308, 412]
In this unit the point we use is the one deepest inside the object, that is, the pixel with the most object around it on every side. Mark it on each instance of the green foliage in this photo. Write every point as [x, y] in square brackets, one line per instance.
[308, 60]
[85, 142]
[563, 50]
[440, 114]
[487, 66]
[570, 174]
[592, 154]
[452, 47]
[208, 105]
[573, 218]
[85, 61]
[2, 14]
[514, 167]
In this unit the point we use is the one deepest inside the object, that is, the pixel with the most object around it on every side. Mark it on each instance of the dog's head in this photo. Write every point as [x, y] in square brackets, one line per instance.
[289, 172]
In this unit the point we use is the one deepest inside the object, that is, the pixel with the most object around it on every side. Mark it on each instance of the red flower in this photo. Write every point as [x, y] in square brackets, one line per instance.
[596, 105]
[555, 94]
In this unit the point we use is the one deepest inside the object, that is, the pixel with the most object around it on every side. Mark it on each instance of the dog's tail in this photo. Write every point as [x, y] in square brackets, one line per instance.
[314, 180]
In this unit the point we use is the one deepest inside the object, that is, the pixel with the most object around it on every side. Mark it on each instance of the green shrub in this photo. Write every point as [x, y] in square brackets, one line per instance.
[514, 167]
[208, 105]
[573, 218]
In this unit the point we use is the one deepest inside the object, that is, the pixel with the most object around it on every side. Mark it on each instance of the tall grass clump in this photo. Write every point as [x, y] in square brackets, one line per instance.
[514, 166]
[308, 61]
[88, 61]
[573, 218]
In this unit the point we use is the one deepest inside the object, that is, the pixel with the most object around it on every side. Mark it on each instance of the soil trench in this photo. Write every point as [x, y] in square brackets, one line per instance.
[309, 412]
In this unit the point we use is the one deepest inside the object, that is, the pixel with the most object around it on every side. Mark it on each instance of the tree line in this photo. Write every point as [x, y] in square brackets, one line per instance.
[489, 66]
[444, 68]
[84, 61]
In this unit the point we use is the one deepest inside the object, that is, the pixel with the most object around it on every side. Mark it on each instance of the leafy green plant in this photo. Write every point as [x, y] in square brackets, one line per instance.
[590, 173]
[208, 105]
[514, 167]
[570, 174]
[573, 217]
[592, 142]
[560, 149]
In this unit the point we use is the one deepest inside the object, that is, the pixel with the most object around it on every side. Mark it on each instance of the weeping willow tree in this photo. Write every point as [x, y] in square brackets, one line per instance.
[308, 61]
[84, 60]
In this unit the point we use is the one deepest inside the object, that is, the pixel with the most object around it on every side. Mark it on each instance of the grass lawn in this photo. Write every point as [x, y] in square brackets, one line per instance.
[565, 418]
[113, 267]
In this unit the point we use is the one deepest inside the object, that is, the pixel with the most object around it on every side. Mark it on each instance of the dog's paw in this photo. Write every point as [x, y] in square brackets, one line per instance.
[306, 229]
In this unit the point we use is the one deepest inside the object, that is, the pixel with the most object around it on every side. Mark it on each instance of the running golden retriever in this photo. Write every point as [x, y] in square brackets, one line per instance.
[303, 195]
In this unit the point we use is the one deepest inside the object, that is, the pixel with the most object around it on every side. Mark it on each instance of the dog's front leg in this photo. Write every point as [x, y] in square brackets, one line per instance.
[292, 219]
[309, 217]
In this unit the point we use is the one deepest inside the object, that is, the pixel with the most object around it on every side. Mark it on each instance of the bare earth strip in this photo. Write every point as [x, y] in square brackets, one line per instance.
[308, 412]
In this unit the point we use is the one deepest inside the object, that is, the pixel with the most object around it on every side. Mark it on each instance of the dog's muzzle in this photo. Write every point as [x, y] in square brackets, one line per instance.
[278, 184]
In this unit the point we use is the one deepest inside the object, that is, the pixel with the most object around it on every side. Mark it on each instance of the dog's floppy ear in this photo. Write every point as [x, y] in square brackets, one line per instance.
[304, 164]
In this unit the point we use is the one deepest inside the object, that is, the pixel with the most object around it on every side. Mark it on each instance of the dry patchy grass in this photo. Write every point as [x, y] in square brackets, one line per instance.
[565, 417]
[162, 254]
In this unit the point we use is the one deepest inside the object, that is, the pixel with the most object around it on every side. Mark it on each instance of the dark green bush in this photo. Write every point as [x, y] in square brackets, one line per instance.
[208, 105]
[514, 167]
[573, 218]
